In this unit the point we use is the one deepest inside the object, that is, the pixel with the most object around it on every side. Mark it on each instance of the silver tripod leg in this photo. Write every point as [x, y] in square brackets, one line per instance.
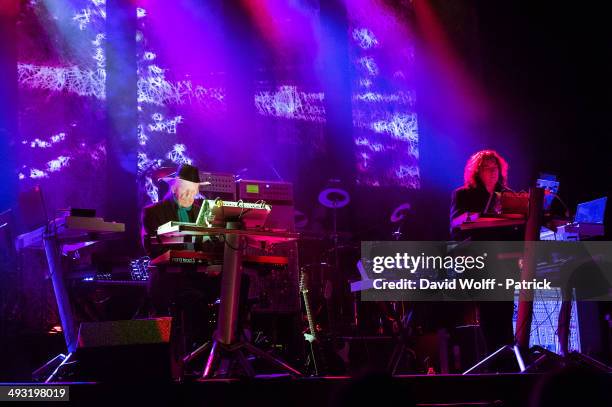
[58, 368]
[513, 348]
[197, 352]
[211, 360]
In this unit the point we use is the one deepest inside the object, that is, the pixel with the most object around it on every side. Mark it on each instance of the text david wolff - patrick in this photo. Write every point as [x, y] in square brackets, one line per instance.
[462, 284]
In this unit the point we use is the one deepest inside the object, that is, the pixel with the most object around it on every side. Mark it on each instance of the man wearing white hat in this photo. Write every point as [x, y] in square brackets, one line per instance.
[178, 205]
[186, 293]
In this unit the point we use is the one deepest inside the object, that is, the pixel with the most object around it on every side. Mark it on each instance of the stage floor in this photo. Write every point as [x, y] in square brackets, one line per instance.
[423, 390]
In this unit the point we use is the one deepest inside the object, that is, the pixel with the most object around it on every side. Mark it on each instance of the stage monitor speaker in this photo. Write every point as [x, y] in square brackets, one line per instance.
[125, 351]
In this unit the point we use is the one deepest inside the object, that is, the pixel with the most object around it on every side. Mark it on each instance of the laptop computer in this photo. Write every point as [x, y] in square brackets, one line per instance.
[591, 211]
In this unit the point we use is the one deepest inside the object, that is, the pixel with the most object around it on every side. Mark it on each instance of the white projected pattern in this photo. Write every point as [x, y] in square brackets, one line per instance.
[151, 189]
[88, 14]
[73, 79]
[166, 126]
[287, 102]
[38, 143]
[406, 98]
[365, 38]
[400, 126]
[145, 164]
[154, 88]
[177, 155]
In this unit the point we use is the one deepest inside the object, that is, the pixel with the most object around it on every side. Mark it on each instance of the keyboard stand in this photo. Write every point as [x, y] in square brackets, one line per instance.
[224, 347]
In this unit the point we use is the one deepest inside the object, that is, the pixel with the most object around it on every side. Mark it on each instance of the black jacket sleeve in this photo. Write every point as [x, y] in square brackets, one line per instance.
[150, 223]
[458, 203]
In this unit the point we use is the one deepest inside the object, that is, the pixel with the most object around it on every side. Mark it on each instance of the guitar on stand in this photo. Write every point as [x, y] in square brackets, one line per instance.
[322, 357]
[310, 336]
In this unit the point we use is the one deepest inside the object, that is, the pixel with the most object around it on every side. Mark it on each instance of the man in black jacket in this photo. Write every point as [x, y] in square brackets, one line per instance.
[187, 294]
[178, 205]
[485, 176]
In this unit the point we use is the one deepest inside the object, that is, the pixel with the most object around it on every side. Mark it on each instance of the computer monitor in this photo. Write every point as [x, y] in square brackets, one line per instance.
[591, 211]
[549, 183]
